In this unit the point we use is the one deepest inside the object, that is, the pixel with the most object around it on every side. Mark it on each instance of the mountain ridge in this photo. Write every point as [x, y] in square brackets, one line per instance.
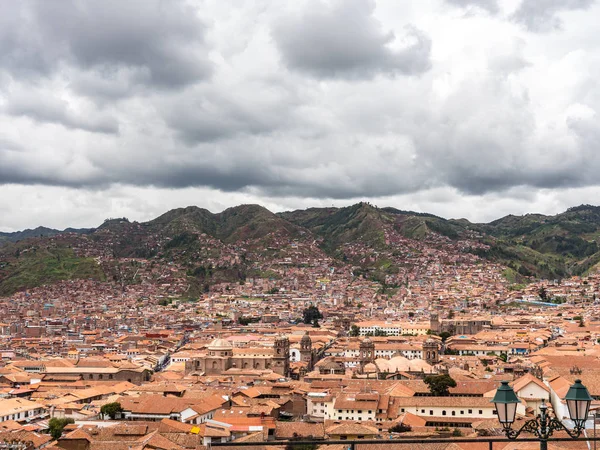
[376, 241]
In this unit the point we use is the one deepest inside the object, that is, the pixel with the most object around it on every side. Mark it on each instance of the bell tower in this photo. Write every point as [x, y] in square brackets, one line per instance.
[366, 353]
[431, 352]
[281, 357]
[306, 354]
[434, 323]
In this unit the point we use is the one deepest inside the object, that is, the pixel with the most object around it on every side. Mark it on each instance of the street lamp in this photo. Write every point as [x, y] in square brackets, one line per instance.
[578, 402]
[543, 426]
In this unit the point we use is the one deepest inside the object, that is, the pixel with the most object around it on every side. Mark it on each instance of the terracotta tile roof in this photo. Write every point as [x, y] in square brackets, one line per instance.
[156, 404]
[352, 428]
[186, 440]
[214, 430]
[241, 422]
[290, 430]
[10, 425]
[38, 439]
[525, 380]
[352, 401]
[443, 401]
[412, 420]
[174, 426]
[155, 440]
[79, 433]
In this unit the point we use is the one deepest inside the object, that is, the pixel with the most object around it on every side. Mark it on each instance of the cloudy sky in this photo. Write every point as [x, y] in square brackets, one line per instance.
[463, 108]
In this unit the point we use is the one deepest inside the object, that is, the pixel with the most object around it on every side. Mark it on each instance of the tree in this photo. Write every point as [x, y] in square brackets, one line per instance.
[56, 426]
[111, 409]
[439, 385]
[543, 293]
[354, 331]
[315, 323]
[445, 335]
[310, 314]
[247, 320]
[296, 437]
[400, 428]
[292, 446]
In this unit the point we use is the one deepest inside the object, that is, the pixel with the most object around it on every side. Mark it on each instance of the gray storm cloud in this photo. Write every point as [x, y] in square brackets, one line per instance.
[337, 99]
[345, 40]
[160, 43]
[489, 5]
[543, 15]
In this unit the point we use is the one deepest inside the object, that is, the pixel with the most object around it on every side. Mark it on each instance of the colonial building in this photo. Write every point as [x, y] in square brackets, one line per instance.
[221, 356]
[458, 326]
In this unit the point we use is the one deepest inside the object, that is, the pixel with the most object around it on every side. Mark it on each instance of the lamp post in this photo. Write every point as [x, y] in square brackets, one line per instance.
[543, 426]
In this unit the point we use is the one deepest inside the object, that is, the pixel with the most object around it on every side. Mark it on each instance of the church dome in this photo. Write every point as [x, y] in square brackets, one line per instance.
[370, 368]
[220, 344]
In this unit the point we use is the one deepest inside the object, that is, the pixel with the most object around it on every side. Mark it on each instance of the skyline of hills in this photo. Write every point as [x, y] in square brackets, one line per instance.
[42, 230]
[246, 240]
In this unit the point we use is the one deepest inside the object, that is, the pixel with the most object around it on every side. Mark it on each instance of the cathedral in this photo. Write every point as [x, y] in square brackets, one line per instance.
[372, 367]
[221, 357]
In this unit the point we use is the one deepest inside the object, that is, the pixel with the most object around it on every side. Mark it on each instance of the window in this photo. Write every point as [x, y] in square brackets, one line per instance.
[431, 412]
[470, 411]
[422, 411]
[443, 412]
[453, 413]
[480, 411]
[462, 412]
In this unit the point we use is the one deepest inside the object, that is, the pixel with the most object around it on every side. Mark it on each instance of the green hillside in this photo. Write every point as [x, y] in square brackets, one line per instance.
[34, 266]
[547, 246]
[337, 226]
[232, 225]
[532, 245]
